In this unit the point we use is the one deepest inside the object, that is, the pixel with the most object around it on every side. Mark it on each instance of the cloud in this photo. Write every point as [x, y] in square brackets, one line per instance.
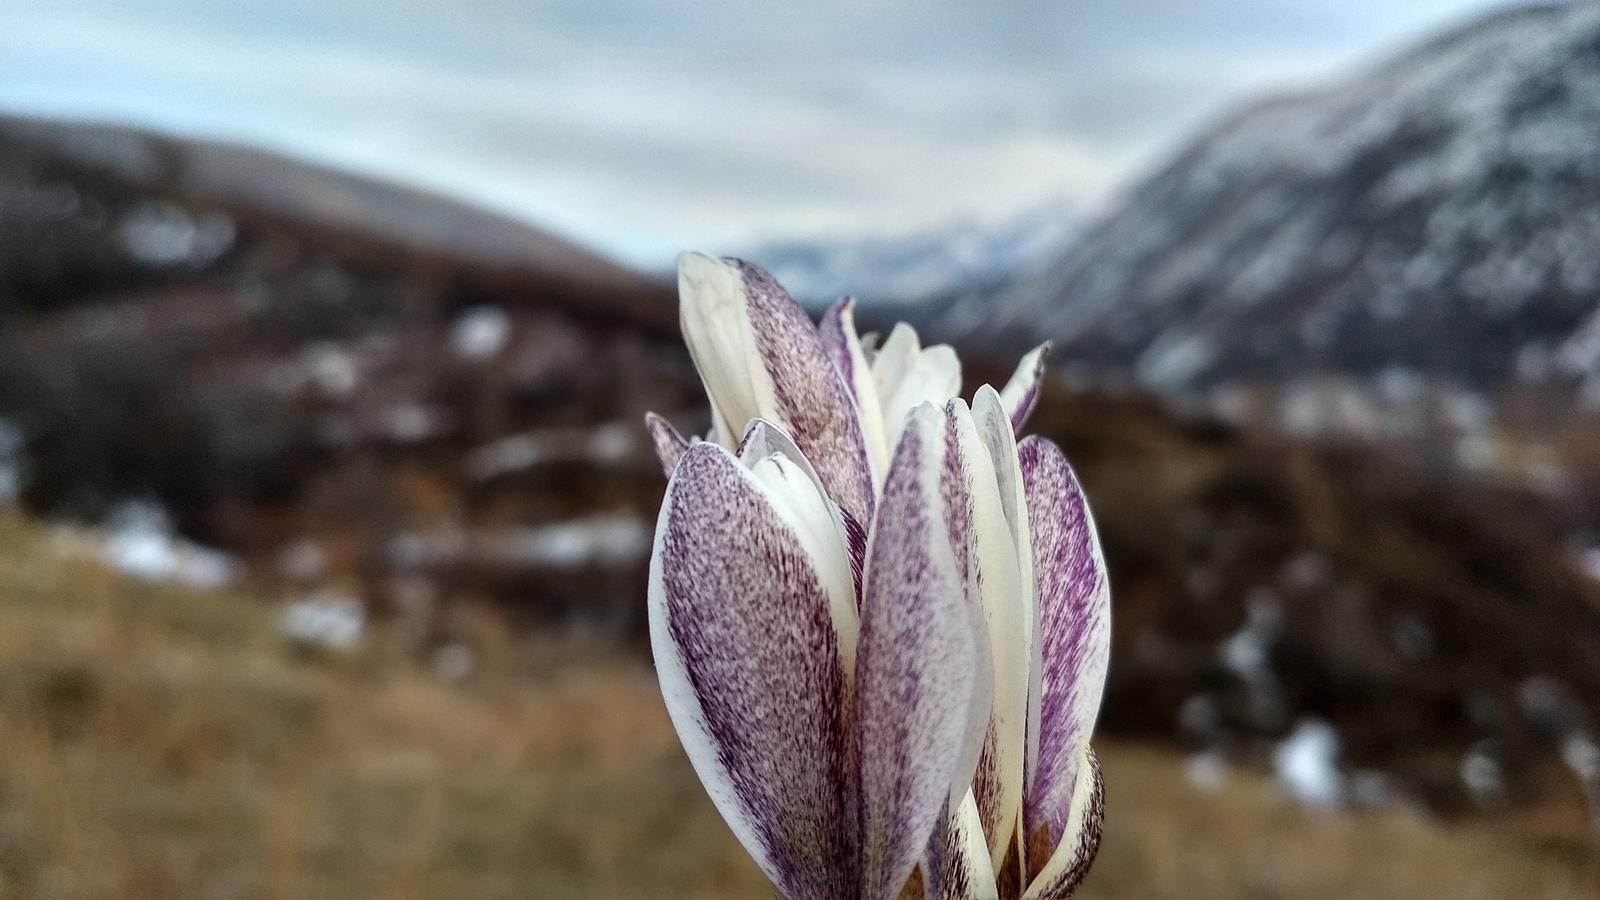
[640, 126]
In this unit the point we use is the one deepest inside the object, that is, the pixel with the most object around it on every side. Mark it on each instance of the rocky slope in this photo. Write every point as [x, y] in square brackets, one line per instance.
[88, 208]
[337, 380]
[1437, 214]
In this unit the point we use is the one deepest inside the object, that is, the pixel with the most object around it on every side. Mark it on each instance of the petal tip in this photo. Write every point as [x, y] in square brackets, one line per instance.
[697, 271]
[668, 443]
[692, 258]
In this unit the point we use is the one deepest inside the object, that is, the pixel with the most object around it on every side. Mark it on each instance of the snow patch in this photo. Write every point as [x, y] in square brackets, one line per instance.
[331, 367]
[598, 540]
[13, 466]
[158, 233]
[480, 333]
[139, 542]
[610, 443]
[1207, 771]
[1307, 765]
[325, 619]
[454, 662]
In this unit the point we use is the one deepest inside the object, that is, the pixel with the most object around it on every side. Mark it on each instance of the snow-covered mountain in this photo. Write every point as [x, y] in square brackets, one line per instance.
[1437, 214]
[925, 276]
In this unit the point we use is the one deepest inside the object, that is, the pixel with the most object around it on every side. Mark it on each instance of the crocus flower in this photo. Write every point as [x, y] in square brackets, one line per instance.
[880, 622]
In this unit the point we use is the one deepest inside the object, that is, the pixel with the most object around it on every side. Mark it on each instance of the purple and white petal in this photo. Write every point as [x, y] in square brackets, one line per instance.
[1067, 863]
[1074, 629]
[838, 332]
[955, 491]
[1021, 393]
[798, 496]
[915, 666]
[957, 866]
[742, 631]
[666, 441]
[994, 588]
[760, 357]
[763, 438]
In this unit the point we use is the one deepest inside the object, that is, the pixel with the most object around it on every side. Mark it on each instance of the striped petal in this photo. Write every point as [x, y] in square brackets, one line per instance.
[666, 441]
[799, 495]
[1021, 393]
[957, 866]
[746, 649]
[1074, 631]
[908, 375]
[915, 667]
[1066, 864]
[838, 332]
[956, 491]
[995, 588]
[760, 357]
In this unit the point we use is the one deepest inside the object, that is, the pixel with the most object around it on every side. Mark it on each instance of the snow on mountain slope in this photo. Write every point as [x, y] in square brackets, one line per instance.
[920, 276]
[1438, 214]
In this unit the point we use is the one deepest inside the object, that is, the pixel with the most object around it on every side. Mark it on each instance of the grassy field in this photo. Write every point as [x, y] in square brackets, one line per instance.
[163, 743]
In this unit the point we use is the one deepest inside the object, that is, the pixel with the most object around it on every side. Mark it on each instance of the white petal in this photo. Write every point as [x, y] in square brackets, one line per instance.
[994, 426]
[716, 328]
[933, 377]
[995, 586]
[895, 358]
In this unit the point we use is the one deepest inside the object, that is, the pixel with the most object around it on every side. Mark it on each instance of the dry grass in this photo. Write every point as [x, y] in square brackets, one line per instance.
[161, 743]
[164, 743]
[1166, 841]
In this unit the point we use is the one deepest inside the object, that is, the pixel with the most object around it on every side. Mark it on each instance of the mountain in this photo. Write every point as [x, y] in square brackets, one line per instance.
[1437, 216]
[64, 183]
[336, 380]
[927, 276]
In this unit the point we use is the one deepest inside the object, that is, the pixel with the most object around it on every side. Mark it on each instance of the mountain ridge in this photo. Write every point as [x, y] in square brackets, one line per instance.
[1431, 212]
[261, 182]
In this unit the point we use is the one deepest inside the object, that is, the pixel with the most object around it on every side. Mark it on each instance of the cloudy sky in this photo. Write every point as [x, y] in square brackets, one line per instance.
[643, 126]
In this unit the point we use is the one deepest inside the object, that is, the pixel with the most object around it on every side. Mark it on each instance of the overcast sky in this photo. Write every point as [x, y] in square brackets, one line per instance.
[644, 126]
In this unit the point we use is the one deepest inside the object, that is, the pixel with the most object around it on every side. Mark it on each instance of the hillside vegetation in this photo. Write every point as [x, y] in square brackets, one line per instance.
[161, 742]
